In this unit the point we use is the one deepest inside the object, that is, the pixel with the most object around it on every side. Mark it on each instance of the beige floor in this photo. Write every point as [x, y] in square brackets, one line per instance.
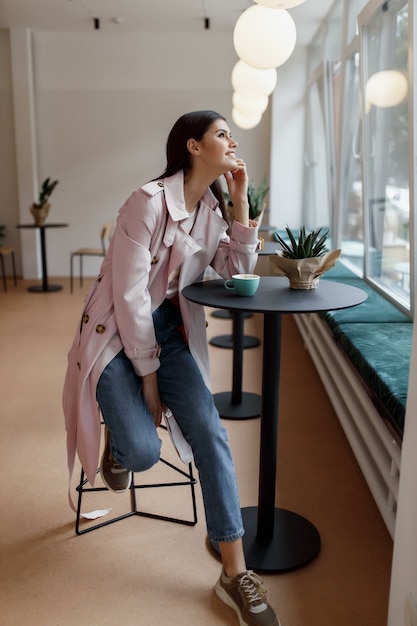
[150, 573]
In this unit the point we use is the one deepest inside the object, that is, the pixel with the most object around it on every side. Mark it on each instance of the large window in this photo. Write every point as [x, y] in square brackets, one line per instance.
[357, 144]
[385, 155]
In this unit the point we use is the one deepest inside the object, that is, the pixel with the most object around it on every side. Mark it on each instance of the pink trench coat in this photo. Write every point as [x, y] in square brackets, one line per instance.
[147, 245]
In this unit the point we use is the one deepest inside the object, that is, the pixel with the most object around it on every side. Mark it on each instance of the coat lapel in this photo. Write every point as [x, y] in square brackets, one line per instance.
[205, 228]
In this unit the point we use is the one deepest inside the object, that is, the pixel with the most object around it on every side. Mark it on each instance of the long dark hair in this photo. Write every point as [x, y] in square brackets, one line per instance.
[190, 126]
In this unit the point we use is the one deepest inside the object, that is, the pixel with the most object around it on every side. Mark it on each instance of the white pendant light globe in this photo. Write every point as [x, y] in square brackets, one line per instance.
[249, 106]
[280, 4]
[264, 38]
[251, 82]
[245, 121]
[386, 89]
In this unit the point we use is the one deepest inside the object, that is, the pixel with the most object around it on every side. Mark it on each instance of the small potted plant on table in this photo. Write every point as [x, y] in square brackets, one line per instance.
[304, 257]
[40, 209]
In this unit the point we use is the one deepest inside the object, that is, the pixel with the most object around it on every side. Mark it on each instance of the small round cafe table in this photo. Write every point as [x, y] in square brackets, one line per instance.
[275, 539]
[45, 286]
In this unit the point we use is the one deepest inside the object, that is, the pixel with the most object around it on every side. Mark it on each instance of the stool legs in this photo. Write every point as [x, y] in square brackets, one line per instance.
[187, 480]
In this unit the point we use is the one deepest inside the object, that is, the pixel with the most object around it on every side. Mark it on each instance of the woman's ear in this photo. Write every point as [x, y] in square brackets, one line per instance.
[193, 147]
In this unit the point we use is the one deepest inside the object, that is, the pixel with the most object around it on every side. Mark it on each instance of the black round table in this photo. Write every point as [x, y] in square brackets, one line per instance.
[238, 404]
[275, 539]
[44, 286]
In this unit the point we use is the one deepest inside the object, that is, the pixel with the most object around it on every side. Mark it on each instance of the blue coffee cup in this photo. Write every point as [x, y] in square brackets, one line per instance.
[243, 284]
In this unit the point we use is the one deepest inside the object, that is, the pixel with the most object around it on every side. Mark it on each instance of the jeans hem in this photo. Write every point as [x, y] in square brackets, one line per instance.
[227, 538]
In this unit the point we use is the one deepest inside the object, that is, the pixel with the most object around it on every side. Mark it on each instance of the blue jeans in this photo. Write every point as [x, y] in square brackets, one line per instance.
[134, 438]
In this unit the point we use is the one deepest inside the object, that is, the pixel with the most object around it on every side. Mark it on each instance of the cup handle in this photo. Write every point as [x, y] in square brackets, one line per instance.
[229, 284]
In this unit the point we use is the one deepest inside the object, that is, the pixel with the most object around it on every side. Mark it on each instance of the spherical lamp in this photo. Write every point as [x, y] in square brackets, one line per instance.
[245, 121]
[386, 88]
[264, 38]
[249, 106]
[280, 4]
[251, 82]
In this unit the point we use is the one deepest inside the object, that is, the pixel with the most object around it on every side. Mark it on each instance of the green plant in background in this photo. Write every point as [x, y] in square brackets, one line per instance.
[46, 190]
[305, 245]
[256, 198]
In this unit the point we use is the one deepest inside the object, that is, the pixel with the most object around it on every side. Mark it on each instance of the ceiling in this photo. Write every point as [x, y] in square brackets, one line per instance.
[183, 16]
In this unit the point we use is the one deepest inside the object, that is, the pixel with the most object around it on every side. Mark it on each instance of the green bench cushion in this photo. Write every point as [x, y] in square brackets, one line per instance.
[376, 308]
[377, 337]
[381, 354]
[339, 271]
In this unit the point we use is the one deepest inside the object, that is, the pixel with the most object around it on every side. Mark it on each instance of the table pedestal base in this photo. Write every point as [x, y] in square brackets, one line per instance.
[40, 288]
[247, 409]
[226, 341]
[228, 315]
[295, 543]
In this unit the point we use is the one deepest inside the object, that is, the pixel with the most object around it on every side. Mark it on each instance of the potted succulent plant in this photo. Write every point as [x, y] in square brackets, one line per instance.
[303, 257]
[256, 199]
[40, 209]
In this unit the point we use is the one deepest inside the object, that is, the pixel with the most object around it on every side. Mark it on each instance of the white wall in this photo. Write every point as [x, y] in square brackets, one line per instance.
[104, 104]
[8, 183]
[287, 142]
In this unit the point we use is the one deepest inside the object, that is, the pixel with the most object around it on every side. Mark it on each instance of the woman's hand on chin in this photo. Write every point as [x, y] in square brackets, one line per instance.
[237, 185]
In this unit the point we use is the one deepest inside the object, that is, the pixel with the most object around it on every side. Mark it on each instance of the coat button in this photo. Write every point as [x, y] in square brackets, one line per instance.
[85, 318]
[100, 329]
[154, 260]
[160, 184]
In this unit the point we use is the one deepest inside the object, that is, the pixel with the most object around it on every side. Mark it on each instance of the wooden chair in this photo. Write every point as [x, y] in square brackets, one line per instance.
[5, 251]
[105, 236]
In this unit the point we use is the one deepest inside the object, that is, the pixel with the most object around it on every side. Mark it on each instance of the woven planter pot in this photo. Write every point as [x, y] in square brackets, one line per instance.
[40, 213]
[303, 273]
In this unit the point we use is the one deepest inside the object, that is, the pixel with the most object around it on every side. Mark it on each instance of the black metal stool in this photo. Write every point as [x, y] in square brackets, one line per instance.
[187, 480]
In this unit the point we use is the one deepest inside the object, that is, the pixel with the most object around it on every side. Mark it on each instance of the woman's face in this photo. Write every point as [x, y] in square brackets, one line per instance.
[217, 149]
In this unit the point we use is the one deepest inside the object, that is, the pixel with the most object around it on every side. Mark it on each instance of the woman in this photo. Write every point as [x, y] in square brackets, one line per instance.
[142, 349]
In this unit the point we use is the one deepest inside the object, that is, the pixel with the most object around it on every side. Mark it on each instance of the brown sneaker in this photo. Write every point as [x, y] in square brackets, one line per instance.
[246, 596]
[114, 476]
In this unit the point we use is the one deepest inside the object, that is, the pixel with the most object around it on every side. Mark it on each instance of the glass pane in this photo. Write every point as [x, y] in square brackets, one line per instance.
[316, 201]
[351, 197]
[386, 150]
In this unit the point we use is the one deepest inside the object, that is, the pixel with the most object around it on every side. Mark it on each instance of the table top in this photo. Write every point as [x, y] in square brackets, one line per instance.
[275, 296]
[46, 225]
